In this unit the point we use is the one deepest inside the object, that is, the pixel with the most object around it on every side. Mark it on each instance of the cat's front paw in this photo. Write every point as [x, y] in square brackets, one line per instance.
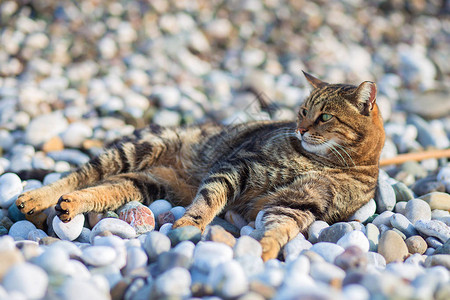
[187, 221]
[67, 208]
[270, 248]
[31, 202]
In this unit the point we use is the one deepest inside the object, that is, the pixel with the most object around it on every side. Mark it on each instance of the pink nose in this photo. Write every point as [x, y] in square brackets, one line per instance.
[302, 130]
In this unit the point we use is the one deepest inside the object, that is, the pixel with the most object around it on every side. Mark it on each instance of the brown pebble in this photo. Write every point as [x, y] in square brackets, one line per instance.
[53, 144]
[392, 247]
[437, 200]
[48, 240]
[352, 258]
[263, 289]
[94, 218]
[416, 244]
[165, 217]
[216, 233]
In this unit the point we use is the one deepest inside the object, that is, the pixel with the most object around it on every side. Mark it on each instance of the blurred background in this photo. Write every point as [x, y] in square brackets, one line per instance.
[76, 74]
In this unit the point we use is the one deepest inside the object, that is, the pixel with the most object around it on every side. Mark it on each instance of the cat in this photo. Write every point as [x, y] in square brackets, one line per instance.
[322, 167]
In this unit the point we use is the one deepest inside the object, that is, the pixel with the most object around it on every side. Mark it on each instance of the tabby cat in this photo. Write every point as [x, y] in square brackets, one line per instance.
[324, 166]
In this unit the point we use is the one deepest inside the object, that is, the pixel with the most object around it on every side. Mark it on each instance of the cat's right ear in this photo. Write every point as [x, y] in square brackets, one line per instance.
[366, 96]
[315, 82]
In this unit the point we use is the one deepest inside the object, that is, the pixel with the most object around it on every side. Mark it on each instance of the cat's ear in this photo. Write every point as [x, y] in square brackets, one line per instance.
[315, 82]
[366, 96]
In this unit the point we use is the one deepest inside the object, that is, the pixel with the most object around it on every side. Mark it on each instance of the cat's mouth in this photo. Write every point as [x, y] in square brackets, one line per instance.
[312, 144]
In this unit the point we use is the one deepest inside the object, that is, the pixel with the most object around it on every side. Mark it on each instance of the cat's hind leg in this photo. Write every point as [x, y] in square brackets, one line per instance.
[111, 194]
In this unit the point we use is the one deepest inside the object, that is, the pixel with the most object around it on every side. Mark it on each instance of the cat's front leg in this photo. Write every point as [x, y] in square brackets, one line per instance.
[221, 187]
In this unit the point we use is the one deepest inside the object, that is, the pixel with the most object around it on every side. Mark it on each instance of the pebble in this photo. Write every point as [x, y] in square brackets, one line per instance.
[400, 207]
[28, 279]
[44, 127]
[384, 196]
[352, 258]
[73, 289]
[115, 226]
[165, 217]
[72, 156]
[293, 249]
[362, 214]
[376, 260]
[136, 258]
[235, 219]
[19, 230]
[225, 225]
[187, 233]
[9, 257]
[327, 273]
[139, 216]
[443, 176]
[175, 282]
[166, 228]
[444, 249]
[208, 255]
[416, 244]
[160, 206]
[392, 247]
[259, 224]
[437, 200]
[75, 134]
[354, 238]
[10, 189]
[433, 228]
[383, 219]
[15, 214]
[438, 260]
[156, 243]
[68, 231]
[315, 229]
[402, 192]
[52, 260]
[246, 230]
[178, 211]
[334, 232]
[216, 233]
[417, 209]
[328, 251]
[428, 185]
[98, 256]
[228, 280]
[400, 222]
[36, 235]
[433, 242]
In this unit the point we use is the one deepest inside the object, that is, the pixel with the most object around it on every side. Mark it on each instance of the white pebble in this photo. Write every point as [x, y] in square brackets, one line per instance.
[10, 188]
[208, 255]
[115, 226]
[328, 251]
[165, 228]
[68, 231]
[19, 230]
[354, 238]
[228, 279]
[98, 255]
[28, 279]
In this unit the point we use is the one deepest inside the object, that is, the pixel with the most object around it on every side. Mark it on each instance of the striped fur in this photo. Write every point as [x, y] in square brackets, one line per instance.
[296, 172]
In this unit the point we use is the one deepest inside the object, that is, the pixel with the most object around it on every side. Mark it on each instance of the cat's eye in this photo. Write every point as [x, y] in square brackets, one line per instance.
[304, 112]
[325, 117]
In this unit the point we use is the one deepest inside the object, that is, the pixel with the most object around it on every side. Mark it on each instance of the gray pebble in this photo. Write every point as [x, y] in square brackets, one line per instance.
[175, 282]
[28, 279]
[44, 127]
[156, 243]
[433, 228]
[228, 280]
[178, 211]
[172, 259]
[293, 249]
[251, 264]
[362, 214]
[433, 242]
[160, 206]
[208, 255]
[246, 245]
[52, 259]
[72, 156]
[383, 219]
[384, 196]
[115, 226]
[373, 235]
[417, 209]
[400, 222]
[74, 289]
[400, 207]
[136, 258]
[315, 229]
[19, 230]
[334, 232]
[402, 192]
[98, 256]
[328, 251]
[326, 272]
[36, 235]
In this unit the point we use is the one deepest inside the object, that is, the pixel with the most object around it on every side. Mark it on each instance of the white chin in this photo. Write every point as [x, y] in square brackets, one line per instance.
[317, 149]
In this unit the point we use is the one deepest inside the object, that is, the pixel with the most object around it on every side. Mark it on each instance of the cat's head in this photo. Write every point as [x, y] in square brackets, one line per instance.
[342, 123]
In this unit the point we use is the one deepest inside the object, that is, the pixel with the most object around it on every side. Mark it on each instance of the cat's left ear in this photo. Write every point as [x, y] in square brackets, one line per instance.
[366, 96]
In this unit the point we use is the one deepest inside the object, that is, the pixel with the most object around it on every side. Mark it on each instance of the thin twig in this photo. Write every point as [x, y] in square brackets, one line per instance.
[416, 156]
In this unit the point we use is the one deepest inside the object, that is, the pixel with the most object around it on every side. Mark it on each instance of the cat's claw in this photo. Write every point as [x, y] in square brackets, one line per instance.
[28, 204]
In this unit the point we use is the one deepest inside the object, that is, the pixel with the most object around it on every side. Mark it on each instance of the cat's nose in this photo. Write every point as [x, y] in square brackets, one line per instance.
[302, 130]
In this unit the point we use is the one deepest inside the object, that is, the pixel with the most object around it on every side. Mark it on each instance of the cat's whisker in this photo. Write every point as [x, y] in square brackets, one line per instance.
[334, 151]
[346, 153]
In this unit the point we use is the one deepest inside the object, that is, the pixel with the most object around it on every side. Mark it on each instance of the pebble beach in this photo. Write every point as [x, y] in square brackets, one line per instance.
[76, 75]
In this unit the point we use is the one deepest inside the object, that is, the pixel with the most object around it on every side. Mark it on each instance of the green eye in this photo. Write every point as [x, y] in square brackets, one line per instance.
[304, 112]
[325, 117]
